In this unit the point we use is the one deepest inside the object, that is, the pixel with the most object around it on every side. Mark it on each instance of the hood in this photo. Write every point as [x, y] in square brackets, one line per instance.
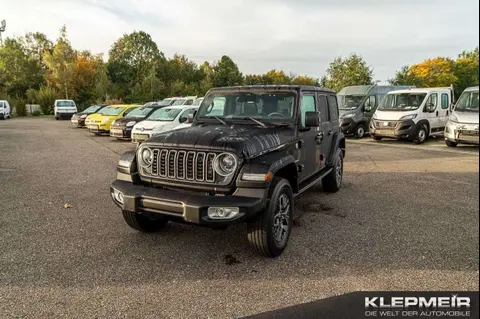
[342, 113]
[79, 114]
[392, 115]
[124, 120]
[467, 117]
[150, 125]
[246, 140]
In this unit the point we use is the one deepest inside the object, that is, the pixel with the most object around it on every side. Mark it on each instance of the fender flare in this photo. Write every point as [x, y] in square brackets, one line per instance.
[338, 142]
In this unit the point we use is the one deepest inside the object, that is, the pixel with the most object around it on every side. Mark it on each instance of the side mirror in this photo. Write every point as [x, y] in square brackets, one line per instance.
[368, 107]
[312, 119]
[182, 119]
[191, 116]
[430, 107]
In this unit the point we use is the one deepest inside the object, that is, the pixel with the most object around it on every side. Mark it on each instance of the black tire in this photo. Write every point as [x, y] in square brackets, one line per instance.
[360, 131]
[333, 181]
[450, 143]
[56, 117]
[421, 135]
[377, 138]
[143, 224]
[260, 232]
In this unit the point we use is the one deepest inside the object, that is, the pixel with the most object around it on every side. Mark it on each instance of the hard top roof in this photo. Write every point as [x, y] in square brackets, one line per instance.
[419, 90]
[180, 107]
[273, 87]
[472, 88]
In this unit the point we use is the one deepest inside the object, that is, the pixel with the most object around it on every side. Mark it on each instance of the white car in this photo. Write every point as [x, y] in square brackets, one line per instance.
[198, 101]
[162, 120]
[64, 108]
[4, 110]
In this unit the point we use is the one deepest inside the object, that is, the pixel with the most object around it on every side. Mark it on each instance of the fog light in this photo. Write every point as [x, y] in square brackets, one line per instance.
[118, 196]
[222, 212]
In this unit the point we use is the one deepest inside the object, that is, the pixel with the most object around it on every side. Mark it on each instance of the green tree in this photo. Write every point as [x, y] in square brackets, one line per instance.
[36, 45]
[466, 70]
[404, 77]
[305, 80]
[207, 82]
[226, 73]
[61, 65]
[352, 70]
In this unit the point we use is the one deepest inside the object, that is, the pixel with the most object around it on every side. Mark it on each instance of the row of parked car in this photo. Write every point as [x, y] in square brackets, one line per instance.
[137, 122]
[410, 113]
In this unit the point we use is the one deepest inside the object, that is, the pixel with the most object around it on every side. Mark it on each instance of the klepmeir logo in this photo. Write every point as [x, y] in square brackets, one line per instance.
[410, 306]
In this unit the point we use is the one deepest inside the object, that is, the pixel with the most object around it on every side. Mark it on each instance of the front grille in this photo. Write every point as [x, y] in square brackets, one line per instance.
[184, 165]
[385, 124]
[468, 132]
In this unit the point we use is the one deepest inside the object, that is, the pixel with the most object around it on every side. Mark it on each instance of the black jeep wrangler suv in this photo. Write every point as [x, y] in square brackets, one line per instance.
[249, 152]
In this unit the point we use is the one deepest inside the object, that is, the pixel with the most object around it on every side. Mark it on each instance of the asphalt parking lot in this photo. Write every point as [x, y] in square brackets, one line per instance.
[406, 219]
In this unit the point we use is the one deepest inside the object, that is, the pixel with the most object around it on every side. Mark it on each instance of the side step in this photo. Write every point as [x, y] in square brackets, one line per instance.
[313, 180]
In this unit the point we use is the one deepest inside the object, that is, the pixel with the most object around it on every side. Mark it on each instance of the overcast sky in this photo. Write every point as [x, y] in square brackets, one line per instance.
[301, 36]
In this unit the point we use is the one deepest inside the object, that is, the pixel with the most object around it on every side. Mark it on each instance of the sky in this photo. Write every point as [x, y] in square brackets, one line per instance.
[299, 36]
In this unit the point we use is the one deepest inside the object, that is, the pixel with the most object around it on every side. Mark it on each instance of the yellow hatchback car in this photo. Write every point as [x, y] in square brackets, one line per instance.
[99, 123]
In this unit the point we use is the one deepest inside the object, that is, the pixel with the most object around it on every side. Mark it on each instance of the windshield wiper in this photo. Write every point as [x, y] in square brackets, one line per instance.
[256, 121]
[217, 118]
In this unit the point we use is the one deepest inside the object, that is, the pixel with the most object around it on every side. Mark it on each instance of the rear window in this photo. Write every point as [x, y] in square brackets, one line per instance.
[65, 104]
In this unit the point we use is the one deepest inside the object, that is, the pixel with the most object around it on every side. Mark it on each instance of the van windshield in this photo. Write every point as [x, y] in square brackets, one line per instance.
[65, 104]
[350, 102]
[402, 102]
[468, 102]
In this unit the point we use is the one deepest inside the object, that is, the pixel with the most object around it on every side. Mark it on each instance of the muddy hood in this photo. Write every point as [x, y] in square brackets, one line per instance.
[244, 140]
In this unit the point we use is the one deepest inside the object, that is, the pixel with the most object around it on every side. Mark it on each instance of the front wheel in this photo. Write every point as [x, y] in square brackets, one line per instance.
[360, 131]
[422, 134]
[268, 234]
[142, 223]
[450, 143]
[333, 181]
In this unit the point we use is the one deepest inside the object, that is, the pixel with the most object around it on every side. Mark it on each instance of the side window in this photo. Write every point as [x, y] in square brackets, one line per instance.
[432, 99]
[444, 101]
[189, 102]
[184, 116]
[308, 105]
[333, 106]
[323, 108]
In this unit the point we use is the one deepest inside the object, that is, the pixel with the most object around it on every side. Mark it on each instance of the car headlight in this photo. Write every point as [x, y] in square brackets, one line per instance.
[146, 157]
[347, 116]
[83, 116]
[374, 116]
[408, 117]
[131, 123]
[453, 119]
[225, 164]
[105, 121]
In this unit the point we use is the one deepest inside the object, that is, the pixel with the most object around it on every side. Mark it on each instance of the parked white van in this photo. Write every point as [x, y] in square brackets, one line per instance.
[162, 120]
[413, 114]
[4, 110]
[463, 124]
[64, 109]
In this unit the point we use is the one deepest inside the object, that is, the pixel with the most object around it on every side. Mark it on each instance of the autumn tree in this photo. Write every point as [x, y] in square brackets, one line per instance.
[61, 65]
[436, 72]
[466, 70]
[351, 70]
[226, 73]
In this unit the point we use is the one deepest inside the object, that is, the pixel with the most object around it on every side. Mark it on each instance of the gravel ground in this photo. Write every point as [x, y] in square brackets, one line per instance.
[407, 218]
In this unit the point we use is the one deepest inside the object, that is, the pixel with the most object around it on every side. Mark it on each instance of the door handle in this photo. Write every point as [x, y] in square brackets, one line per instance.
[447, 112]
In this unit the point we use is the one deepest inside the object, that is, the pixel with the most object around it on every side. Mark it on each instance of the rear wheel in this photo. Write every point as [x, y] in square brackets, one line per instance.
[333, 181]
[422, 134]
[268, 234]
[143, 223]
[450, 143]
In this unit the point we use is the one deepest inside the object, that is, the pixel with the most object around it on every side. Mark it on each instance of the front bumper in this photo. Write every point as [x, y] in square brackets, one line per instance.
[140, 137]
[78, 122]
[65, 114]
[121, 132]
[191, 208]
[393, 129]
[462, 133]
[98, 128]
[348, 126]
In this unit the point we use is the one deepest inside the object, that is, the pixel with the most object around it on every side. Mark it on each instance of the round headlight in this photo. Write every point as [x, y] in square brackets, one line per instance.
[225, 164]
[131, 123]
[84, 116]
[146, 156]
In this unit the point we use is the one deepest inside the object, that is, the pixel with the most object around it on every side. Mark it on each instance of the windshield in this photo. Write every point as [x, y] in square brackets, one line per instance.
[197, 102]
[349, 102]
[164, 114]
[65, 103]
[402, 101]
[165, 102]
[140, 112]
[468, 102]
[179, 102]
[92, 109]
[260, 105]
[111, 110]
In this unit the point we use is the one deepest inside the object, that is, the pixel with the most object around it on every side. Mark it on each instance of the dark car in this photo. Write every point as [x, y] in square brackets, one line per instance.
[249, 152]
[121, 129]
[78, 119]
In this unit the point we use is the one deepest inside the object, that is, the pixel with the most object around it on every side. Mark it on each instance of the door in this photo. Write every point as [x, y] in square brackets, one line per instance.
[444, 111]
[309, 147]
[431, 112]
[326, 127]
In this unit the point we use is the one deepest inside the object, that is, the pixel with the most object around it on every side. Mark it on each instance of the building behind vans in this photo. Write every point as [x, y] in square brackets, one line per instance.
[357, 105]
[413, 114]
